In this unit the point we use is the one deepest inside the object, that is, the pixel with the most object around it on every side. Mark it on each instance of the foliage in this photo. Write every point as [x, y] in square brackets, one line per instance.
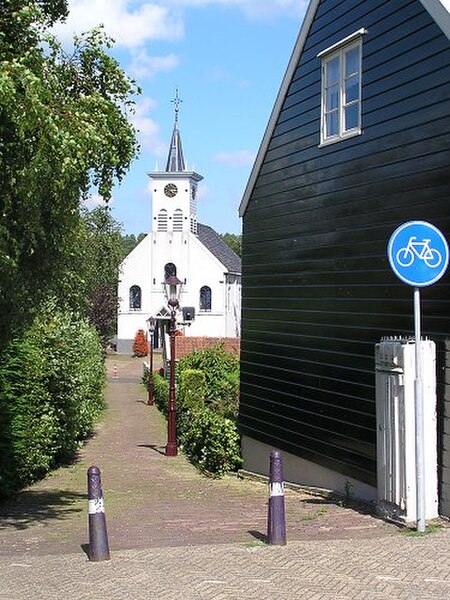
[221, 371]
[233, 241]
[103, 253]
[29, 423]
[129, 242]
[192, 390]
[210, 441]
[64, 129]
[226, 400]
[208, 433]
[51, 392]
[140, 344]
[160, 391]
[75, 374]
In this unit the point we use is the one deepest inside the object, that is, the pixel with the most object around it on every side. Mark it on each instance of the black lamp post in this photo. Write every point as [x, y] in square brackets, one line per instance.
[172, 287]
[151, 323]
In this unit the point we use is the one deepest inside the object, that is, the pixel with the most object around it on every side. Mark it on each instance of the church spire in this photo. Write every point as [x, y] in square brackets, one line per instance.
[175, 160]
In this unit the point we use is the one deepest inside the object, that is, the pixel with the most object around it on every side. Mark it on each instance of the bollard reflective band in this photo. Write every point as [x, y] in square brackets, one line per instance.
[96, 506]
[276, 489]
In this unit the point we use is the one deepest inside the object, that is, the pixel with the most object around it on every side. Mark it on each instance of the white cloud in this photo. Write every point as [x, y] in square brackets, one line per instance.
[242, 158]
[148, 129]
[94, 200]
[144, 66]
[129, 22]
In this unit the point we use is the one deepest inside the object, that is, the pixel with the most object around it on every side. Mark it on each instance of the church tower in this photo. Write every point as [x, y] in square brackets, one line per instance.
[174, 191]
[210, 272]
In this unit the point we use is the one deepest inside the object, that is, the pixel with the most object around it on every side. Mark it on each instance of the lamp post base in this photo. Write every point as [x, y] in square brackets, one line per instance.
[171, 450]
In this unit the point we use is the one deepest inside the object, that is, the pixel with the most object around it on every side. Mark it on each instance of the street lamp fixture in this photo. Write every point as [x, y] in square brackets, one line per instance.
[151, 324]
[172, 287]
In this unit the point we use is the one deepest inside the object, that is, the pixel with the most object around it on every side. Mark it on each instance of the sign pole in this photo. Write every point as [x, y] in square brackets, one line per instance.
[418, 393]
[419, 255]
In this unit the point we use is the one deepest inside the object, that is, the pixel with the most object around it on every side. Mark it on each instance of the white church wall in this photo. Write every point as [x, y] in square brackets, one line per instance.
[195, 265]
[173, 240]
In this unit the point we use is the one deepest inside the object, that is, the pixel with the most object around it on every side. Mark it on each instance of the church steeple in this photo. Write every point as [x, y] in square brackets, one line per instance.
[175, 160]
[174, 191]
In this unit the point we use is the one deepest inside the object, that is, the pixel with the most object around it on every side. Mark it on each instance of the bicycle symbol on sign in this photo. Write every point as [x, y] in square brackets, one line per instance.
[422, 250]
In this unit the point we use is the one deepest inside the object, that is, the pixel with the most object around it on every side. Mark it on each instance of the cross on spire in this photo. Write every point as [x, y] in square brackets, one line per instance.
[175, 160]
[177, 101]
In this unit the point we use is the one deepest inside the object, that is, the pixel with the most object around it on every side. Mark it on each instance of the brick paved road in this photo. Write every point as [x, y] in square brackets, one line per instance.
[174, 534]
[382, 568]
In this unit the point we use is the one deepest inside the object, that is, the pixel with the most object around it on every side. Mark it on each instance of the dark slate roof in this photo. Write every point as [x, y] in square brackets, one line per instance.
[215, 244]
[175, 160]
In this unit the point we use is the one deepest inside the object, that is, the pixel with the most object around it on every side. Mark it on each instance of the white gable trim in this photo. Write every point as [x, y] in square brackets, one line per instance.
[438, 9]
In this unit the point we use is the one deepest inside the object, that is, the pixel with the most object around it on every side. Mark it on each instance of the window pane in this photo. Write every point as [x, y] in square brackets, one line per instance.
[205, 298]
[352, 61]
[332, 98]
[332, 71]
[351, 89]
[351, 116]
[332, 123]
[170, 270]
[135, 297]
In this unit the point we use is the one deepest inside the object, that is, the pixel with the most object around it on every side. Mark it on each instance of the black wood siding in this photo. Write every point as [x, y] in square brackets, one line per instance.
[318, 292]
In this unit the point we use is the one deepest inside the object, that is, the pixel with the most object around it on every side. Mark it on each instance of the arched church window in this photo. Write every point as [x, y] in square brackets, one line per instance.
[162, 220]
[135, 297]
[178, 220]
[170, 270]
[205, 298]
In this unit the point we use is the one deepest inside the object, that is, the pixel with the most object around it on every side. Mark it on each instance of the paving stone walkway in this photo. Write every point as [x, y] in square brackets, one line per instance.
[176, 534]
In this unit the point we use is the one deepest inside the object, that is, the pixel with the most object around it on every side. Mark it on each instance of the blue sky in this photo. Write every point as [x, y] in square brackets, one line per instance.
[227, 58]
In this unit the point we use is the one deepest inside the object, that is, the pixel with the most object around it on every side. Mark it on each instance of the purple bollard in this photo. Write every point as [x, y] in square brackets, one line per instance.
[276, 522]
[98, 536]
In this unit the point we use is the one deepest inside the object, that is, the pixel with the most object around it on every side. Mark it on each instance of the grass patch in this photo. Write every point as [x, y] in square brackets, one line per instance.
[431, 528]
[256, 544]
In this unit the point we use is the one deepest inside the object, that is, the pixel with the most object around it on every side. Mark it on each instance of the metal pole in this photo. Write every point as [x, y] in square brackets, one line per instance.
[418, 389]
[150, 374]
[171, 448]
[98, 536]
[276, 519]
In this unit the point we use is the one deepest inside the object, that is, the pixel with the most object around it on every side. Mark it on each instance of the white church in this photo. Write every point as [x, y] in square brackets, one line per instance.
[177, 245]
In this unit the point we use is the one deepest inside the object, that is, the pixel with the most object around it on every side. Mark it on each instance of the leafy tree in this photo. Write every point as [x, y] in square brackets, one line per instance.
[130, 241]
[64, 128]
[103, 255]
[234, 241]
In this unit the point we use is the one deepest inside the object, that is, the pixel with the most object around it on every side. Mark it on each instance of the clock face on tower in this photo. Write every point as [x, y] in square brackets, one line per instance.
[170, 190]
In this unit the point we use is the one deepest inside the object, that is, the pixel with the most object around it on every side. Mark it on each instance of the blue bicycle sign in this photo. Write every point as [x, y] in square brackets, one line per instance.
[420, 250]
[418, 253]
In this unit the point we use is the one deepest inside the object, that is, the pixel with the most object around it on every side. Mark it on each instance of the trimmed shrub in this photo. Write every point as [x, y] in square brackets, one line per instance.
[207, 433]
[161, 392]
[29, 426]
[210, 441]
[191, 390]
[75, 374]
[221, 371]
[51, 392]
[140, 344]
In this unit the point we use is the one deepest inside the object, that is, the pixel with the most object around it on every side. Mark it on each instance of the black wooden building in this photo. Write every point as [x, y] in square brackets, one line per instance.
[358, 143]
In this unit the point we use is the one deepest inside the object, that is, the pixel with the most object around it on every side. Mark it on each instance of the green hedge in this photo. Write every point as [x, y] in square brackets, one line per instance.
[207, 432]
[51, 393]
[210, 441]
[221, 370]
[191, 390]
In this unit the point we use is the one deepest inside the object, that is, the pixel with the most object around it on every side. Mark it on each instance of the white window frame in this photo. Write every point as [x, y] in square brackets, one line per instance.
[339, 50]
